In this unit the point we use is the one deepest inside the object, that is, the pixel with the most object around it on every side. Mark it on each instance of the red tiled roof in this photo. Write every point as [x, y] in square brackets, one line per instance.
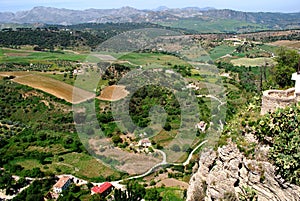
[102, 188]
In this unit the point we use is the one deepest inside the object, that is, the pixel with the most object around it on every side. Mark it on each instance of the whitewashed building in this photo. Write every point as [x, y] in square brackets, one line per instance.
[62, 184]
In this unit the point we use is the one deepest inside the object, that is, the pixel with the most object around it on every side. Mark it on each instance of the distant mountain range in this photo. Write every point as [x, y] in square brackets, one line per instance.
[187, 18]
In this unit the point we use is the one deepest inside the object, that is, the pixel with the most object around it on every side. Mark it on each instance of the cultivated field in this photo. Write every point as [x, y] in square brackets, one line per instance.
[113, 93]
[51, 86]
[221, 51]
[73, 163]
[171, 182]
[131, 163]
[15, 56]
[146, 59]
[287, 43]
[252, 61]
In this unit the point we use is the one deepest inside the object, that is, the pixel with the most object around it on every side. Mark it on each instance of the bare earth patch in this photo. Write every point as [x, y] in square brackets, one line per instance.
[171, 182]
[253, 61]
[287, 43]
[113, 93]
[132, 163]
[51, 86]
[105, 57]
[16, 54]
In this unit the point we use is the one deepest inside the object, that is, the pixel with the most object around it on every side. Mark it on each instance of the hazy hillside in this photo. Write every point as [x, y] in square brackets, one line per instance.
[212, 19]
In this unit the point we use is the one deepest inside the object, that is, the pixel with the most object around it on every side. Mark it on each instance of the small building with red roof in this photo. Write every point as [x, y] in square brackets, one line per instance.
[104, 189]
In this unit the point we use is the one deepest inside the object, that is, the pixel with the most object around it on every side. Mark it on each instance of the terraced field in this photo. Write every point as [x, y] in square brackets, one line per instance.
[287, 43]
[12, 55]
[252, 61]
[51, 86]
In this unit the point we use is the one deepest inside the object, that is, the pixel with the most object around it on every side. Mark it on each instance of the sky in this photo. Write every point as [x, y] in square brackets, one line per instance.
[242, 5]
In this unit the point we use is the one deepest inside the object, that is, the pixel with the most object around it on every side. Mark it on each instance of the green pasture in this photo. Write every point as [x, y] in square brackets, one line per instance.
[213, 25]
[253, 61]
[21, 56]
[147, 59]
[171, 193]
[221, 51]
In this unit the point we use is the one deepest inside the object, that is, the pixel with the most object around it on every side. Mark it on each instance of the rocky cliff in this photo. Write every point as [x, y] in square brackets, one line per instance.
[226, 174]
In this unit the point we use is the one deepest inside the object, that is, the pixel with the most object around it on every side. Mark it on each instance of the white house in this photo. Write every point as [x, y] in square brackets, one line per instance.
[62, 184]
[201, 126]
[192, 86]
[296, 77]
[145, 143]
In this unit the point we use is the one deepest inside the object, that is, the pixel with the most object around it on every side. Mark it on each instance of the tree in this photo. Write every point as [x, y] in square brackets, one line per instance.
[167, 126]
[89, 185]
[176, 148]
[152, 195]
[287, 61]
[116, 139]
[97, 197]
[134, 192]
[280, 130]
[186, 148]
[35, 172]
[37, 197]
[66, 196]
[5, 180]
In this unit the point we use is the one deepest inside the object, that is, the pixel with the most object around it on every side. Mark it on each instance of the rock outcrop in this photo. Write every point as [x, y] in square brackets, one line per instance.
[226, 174]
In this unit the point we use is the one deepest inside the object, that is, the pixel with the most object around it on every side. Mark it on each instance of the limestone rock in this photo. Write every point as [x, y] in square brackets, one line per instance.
[226, 173]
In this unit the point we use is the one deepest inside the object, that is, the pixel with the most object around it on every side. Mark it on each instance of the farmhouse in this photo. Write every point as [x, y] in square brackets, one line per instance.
[201, 126]
[104, 189]
[145, 143]
[62, 184]
[192, 86]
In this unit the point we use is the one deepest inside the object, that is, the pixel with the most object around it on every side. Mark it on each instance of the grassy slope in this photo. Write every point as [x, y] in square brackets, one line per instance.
[220, 51]
[171, 193]
[80, 164]
[16, 56]
[152, 58]
[49, 85]
[213, 26]
[252, 61]
[48, 133]
[136, 58]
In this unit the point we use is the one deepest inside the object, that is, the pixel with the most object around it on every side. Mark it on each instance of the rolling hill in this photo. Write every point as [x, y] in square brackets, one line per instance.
[193, 18]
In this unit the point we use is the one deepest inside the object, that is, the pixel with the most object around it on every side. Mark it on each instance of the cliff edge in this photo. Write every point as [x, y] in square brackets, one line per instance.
[226, 174]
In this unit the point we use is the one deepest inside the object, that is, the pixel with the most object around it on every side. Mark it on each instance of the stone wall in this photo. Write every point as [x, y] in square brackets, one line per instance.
[273, 99]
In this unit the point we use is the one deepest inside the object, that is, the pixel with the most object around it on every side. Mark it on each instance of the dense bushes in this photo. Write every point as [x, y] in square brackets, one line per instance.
[36, 190]
[25, 120]
[43, 39]
[60, 36]
[147, 97]
[281, 131]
